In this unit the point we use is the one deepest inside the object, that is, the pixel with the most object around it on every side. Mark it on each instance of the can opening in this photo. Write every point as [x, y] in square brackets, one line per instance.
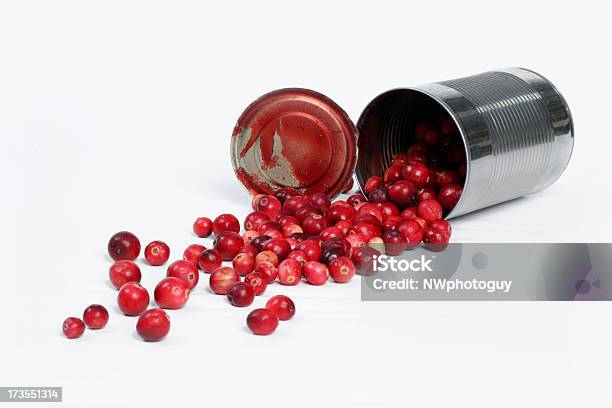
[390, 124]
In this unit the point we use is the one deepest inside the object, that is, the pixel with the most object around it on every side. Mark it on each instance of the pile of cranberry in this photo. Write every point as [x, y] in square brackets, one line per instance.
[290, 238]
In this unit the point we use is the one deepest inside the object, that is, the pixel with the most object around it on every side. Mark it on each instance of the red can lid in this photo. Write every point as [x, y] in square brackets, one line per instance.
[294, 138]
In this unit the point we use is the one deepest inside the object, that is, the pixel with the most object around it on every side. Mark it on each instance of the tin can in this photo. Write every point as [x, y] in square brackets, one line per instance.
[516, 128]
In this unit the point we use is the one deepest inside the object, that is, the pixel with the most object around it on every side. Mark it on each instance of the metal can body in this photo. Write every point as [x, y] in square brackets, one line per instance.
[516, 128]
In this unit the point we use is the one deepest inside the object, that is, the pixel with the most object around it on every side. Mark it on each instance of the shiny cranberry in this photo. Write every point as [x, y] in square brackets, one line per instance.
[133, 299]
[356, 240]
[393, 174]
[250, 249]
[449, 196]
[418, 156]
[339, 242]
[390, 224]
[262, 321]
[241, 294]
[339, 213]
[429, 210]
[279, 246]
[225, 222]
[171, 293]
[157, 253]
[421, 222]
[185, 271]
[282, 306]
[122, 272]
[293, 242]
[275, 234]
[268, 270]
[416, 173]
[369, 208]
[445, 177]
[418, 147]
[331, 232]
[193, 253]
[426, 194]
[369, 218]
[319, 200]
[408, 213]
[270, 206]
[402, 193]
[366, 230]
[267, 256]
[314, 224]
[356, 199]
[222, 278]
[378, 196]
[255, 200]
[435, 240]
[287, 220]
[293, 204]
[363, 258]
[95, 317]
[373, 183]
[202, 227]
[289, 272]
[315, 272]
[228, 244]
[412, 231]
[306, 212]
[342, 269]
[311, 248]
[124, 246]
[248, 236]
[388, 210]
[260, 241]
[243, 263]
[299, 256]
[258, 282]
[73, 327]
[153, 325]
[441, 226]
[267, 227]
[253, 221]
[284, 193]
[291, 229]
[329, 254]
[210, 260]
[395, 242]
[343, 226]
[399, 159]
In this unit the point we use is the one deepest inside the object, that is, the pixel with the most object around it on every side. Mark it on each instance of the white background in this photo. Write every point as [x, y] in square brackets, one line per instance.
[117, 115]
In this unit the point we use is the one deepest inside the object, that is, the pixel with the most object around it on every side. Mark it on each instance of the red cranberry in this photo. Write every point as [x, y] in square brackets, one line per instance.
[429, 210]
[289, 230]
[185, 271]
[293, 204]
[356, 240]
[73, 327]
[267, 256]
[284, 193]
[282, 306]
[269, 226]
[409, 213]
[124, 246]
[417, 147]
[311, 248]
[122, 272]
[416, 173]
[355, 199]
[287, 220]
[225, 222]
[319, 200]
[153, 325]
[289, 272]
[133, 299]
[299, 256]
[344, 227]
[363, 258]
[399, 159]
[228, 244]
[441, 226]
[193, 253]
[243, 263]
[314, 224]
[402, 193]
[342, 269]
[258, 282]
[371, 209]
[393, 174]
[306, 212]
[390, 224]
[253, 221]
[95, 316]
[293, 242]
[366, 230]
[331, 232]
[202, 227]
[449, 196]
[249, 249]
[255, 200]
[171, 293]
[388, 210]
[373, 183]
[260, 241]
[435, 240]
[421, 222]
[269, 205]
[268, 270]
[276, 234]
[222, 278]
[418, 156]
[339, 213]
[426, 194]
[157, 253]
[412, 231]
[210, 260]
[279, 246]
[395, 242]
[240, 294]
[262, 321]
[249, 236]
[378, 196]
[445, 177]
[329, 254]
[315, 272]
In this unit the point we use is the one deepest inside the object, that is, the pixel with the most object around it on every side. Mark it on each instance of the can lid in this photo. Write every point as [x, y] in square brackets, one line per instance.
[294, 138]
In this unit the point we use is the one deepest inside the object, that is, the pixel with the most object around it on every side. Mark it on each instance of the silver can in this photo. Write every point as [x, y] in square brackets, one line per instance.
[516, 127]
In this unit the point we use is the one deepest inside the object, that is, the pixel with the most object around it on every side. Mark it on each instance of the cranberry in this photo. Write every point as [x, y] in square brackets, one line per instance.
[249, 236]
[370, 209]
[377, 243]
[293, 204]
[73, 327]
[343, 226]
[363, 258]
[342, 269]
[373, 183]
[133, 299]
[399, 159]
[402, 193]
[395, 242]
[243, 263]
[287, 220]
[279, 246]
[378, 196]
[315, 272]
[393, 174]
[157, 253]
[293, 242]
[366, 230]
[319, 200]
[229, 244]
[432, 137]
[311, 248]
[193, 253]
[275, 234]
[268, 270]
[202, 227]
[255, 200]
[210, 260]
[253, 221]
[269, 205]
[95, 316]
[306, 212]
[445, 177]
[388, 210]
[267, 256]
[241, 294]
[449, 196]
[258, 282]
[282, 306]
[185, 271]
[225, 222]
[153, 325]
[331, 232]
[329, 254]
[284, 193]
[412, 231]
[171, 293]
[249, 249]
[429, 210]
[314, 224]
[441, 226]
[262, 321]
[435, 240]
[289, 272]
[299, 256]
[418, 156]
[390, 224]
[355, 240]
[421, 222]
[222, 278]
[124, 246]
[416, 173]
[289, 230]
[260, 241]
[122, 272]
[408, 213]
[339, 213]
[269, 226]
[355, 199]
[426, 194]
[417, 147]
